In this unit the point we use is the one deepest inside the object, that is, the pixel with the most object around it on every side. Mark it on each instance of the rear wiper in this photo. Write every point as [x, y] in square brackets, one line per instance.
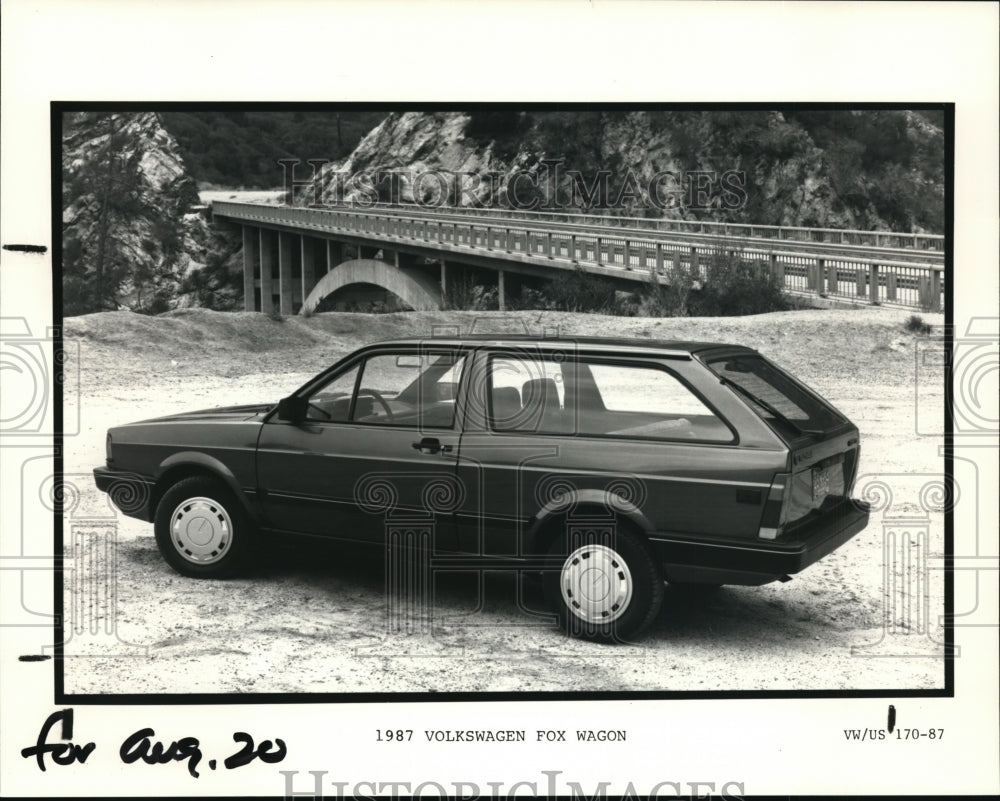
[770, 409]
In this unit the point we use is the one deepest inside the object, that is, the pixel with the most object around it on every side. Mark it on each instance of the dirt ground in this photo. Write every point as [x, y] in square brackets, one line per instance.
[313, 619]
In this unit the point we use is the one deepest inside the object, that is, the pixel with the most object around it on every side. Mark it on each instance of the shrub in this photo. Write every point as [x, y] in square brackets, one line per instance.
[668, 300]
[460, 293]
[579, 291]
[734, 285]
[915, 325]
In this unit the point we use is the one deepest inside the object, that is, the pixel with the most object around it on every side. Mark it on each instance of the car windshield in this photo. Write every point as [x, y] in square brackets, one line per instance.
[775, 395]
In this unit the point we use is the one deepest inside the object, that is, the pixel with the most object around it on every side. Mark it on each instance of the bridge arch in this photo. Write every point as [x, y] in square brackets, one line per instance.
[413, 286]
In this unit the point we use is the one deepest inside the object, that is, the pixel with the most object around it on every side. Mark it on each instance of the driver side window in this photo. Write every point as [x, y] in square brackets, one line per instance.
[394, 389]
[409, 389]
[332, 402]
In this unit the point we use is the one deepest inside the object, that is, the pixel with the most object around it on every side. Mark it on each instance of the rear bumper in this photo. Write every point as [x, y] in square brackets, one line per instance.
[766, 558]
[130, 492]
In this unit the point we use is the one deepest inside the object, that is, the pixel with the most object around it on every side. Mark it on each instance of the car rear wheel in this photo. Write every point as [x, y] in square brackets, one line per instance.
[607, 586]
[201, 530]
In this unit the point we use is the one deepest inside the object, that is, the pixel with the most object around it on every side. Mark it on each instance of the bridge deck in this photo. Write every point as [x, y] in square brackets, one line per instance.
[904, 276]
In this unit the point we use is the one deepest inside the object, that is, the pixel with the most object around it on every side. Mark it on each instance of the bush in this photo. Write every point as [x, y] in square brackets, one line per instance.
[734, 285]
[579, 291]
[668, 300]
[460, 293]
[915, 325]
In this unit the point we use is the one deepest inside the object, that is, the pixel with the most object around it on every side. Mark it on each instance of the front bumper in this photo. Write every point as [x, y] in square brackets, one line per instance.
[771, 558]
[130, 492]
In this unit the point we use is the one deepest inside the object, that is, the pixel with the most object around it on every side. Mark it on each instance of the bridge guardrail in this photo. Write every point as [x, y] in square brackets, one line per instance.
[790, 233]
[718, 237]
[868, 278]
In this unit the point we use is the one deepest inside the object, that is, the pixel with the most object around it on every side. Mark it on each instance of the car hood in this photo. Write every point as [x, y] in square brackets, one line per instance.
[223, 413]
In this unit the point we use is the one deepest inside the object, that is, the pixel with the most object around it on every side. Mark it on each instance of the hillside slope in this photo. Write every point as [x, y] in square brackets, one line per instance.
[877, 170]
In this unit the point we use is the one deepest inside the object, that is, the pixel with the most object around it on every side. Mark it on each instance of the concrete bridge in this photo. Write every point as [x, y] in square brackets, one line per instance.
[296, 256]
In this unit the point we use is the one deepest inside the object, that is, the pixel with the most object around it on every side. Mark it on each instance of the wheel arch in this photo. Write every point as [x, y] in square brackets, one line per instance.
[189, 464]
[585, 505]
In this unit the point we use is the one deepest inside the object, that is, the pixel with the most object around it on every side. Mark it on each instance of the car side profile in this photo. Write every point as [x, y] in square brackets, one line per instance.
[607, 466]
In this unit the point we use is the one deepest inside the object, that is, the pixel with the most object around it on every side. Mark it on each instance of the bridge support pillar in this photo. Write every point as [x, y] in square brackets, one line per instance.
[251, 257]
[334, 254]
[266, 270]
[308, 254]
[402, 260]
[444, 280]
[285, 296]
[501, 291]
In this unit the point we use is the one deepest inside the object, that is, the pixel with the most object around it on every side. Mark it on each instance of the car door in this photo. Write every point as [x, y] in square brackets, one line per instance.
[377, 449]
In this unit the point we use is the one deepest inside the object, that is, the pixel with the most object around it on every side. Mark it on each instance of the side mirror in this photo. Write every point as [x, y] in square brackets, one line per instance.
[292, 409]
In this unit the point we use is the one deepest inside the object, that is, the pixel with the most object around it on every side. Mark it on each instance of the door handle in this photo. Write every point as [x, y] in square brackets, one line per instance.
[431, 445]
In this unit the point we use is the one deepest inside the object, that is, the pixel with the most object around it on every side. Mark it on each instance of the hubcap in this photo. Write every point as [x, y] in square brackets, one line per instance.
[201, 530]
[596, 584]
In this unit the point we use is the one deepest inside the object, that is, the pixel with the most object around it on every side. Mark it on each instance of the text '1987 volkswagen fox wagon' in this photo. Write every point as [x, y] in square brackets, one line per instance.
[607, 466]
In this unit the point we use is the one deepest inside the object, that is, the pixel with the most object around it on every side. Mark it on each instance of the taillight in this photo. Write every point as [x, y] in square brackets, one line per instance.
[776, 507]
[107, 449]
[851, 470]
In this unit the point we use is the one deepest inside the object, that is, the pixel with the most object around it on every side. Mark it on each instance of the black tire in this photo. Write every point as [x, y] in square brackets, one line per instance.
[201, 529]
[623, 565]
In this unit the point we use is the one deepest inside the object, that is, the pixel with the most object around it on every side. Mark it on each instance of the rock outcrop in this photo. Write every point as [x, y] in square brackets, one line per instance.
[133, 234]
[876, 170]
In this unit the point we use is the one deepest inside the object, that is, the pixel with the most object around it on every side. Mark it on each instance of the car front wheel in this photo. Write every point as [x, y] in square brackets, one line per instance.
[201, 530]
[607, 587]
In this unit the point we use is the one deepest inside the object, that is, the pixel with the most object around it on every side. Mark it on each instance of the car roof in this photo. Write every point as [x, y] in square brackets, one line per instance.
[560, 342]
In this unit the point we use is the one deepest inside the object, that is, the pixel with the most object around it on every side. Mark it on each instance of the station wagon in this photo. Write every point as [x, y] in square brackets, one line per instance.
[606, 467]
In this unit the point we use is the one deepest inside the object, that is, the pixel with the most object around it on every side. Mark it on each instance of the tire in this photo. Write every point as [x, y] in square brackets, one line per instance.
[201, 529]
[628, 582]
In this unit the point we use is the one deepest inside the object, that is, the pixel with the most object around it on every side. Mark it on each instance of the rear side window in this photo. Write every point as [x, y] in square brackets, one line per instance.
[775, 395]
[528, 394]
[591, 397]
[628, 400]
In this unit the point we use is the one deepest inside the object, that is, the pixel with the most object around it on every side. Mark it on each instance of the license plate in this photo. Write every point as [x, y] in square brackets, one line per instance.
[822, 478]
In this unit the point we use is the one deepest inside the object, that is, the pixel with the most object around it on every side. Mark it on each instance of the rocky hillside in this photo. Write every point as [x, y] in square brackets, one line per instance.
[240, 149]
[134, 238]
[881, 170]
[132, 235]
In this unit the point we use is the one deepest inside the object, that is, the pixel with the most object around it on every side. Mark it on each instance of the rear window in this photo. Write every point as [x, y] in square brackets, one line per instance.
[597, 398]
[775, 395]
